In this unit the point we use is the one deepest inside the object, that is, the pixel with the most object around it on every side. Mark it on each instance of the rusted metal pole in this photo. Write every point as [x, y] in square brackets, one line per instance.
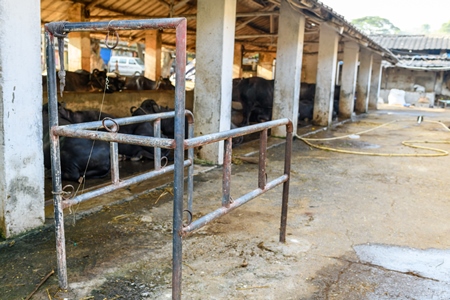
[114, 159]
[180, 91]
[262, 159]
[190, 181]
[287, 172]
[56, 164]
[226, 178]
[157, 150]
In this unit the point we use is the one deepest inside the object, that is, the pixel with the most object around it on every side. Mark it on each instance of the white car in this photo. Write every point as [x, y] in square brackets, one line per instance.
[128, 66]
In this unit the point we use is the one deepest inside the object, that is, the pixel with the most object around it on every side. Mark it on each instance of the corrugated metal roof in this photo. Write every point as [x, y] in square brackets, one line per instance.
[256, 23]
[424, 61]
[413, 42]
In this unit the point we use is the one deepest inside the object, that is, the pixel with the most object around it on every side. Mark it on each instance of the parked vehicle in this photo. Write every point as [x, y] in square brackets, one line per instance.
[128, 66]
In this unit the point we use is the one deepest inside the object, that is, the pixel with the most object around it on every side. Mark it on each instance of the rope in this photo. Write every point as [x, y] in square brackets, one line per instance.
[440, 152]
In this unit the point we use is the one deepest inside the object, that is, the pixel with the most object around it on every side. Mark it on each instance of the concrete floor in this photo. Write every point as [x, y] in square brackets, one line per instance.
[359, 227]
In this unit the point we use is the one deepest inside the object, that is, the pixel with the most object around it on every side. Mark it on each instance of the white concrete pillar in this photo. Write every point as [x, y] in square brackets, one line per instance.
[375, 81]
[21, 154]
[237, 61]
[265, 65]
[79, 48]
[216, 21]
[153, 43]
[326, 75]
[363, 81]
[291, 30]
[167, 60]
[439, 81]
[348, 80]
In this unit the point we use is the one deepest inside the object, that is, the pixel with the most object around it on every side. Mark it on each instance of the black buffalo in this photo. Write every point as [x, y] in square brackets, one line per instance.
[140, 83]
[93, 157]
[127, 151]
[306, 102]
[83, 81]
[165, 84]
[149, 106]
[137, 152]
[80, 158]
[256, 97]
[107, 82]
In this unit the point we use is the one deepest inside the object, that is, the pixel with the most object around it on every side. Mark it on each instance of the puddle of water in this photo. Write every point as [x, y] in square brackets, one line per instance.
[429, 263]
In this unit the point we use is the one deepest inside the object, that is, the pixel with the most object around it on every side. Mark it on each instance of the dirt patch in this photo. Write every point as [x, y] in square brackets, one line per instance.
[337, 201]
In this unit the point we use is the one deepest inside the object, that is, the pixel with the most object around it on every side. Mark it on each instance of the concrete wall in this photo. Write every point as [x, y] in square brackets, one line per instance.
[405, 79]
[119, 104]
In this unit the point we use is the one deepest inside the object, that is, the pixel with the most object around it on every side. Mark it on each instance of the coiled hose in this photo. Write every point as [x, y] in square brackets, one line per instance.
[438, 152]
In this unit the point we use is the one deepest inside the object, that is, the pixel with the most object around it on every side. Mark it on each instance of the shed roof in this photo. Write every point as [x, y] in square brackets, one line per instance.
[413, 42]
[424, 52]
[256, 23]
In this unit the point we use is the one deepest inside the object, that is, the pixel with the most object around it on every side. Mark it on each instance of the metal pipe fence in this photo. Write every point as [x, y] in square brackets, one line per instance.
[179, 144]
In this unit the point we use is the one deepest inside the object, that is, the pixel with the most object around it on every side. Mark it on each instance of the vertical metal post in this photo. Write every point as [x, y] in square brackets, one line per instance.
[226, 181]
[157, 150]
[56, 163]
[287, 171]
[262, 179]
[114, 159]
[177, 251]
[190, 181]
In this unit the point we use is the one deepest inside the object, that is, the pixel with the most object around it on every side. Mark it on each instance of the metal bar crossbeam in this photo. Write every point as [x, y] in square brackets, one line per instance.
[120, 185]
[223, 135]
[233, 205]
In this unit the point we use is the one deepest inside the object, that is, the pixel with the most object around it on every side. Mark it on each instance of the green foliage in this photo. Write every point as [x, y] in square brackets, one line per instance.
[375, 25]
[425, 28]
[445, 28]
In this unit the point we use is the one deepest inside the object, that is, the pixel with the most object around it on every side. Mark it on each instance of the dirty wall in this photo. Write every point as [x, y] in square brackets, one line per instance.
[119, 104]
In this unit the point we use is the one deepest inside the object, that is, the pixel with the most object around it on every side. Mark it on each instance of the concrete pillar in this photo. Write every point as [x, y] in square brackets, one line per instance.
[265, 65]
[291, 30]
[153, 43]
[363, 81]
[167, 60]
[21, 156]
[375, 82]
[216, 21]
[326, 75]
[348, 80]
[79, 48]
[439, 81]
[237, 60]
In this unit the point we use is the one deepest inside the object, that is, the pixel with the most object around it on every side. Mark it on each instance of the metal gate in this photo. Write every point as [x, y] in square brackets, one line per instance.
[89, 130]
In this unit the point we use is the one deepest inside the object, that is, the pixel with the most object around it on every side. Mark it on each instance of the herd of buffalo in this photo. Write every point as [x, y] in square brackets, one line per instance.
[86, 158]
[84, 81]
[256, 97]
[91, 159]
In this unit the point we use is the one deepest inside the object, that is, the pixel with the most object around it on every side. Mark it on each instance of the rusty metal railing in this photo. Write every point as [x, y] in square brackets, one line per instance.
[228, 204]
[89, 130]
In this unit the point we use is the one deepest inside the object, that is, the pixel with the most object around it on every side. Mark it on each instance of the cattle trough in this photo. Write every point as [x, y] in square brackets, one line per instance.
[62, 198]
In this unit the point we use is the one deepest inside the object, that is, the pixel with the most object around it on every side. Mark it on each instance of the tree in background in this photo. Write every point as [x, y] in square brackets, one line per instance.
[375, 25]
[425, 28]
[445, 28]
